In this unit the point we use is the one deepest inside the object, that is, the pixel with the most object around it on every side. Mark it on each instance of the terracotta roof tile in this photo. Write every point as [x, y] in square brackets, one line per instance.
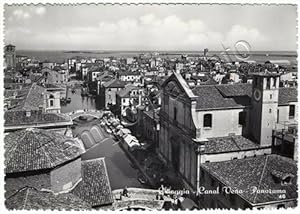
[94, 187]
[235, 90]
[15, 183]
[35, 149]
[234, 96]
[244, 174]
[227, 144]
[209, 97]
[19, 118]
[32, 99]
[30, 198]
[287, 95]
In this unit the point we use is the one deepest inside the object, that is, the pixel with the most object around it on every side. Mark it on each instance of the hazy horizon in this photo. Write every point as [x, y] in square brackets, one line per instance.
[151, 27]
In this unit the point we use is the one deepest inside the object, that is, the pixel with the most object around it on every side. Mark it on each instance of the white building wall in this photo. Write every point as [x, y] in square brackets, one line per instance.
[284, 113]
[224, 122]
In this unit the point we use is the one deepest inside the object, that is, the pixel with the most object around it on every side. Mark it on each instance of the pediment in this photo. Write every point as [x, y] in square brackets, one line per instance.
[173, 89]
[176, 86]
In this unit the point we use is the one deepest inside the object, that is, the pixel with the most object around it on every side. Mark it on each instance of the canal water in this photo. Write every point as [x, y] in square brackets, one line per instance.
[79, 102]
[121, 171]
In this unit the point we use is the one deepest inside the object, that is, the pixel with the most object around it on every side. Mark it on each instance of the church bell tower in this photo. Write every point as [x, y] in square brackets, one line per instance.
[265, 90]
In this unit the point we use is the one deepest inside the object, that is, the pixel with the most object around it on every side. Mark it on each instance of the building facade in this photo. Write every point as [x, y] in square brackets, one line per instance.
[217, 123]
[129, 98]
[108, 90]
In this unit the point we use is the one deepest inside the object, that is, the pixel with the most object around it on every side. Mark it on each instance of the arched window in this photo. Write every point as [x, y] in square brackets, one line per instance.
[51, 100]
[207, 120]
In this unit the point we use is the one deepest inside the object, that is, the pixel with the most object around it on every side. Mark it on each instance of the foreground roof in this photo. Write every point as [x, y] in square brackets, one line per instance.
[29, 198]
[95, 187]
[258, 172]
[36, 149]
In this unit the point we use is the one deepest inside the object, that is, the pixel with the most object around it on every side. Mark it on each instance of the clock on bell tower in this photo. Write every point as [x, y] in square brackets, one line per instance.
[265, 89]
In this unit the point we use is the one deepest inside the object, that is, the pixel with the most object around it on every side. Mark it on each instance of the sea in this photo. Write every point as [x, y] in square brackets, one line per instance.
[62, 56]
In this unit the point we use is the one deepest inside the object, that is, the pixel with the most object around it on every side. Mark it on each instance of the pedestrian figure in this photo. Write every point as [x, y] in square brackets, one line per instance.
[125, 192]
[162, 188]
[161, 192]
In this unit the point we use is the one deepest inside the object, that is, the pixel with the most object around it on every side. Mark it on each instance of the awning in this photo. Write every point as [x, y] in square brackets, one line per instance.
[131, 141]
[119, 127]
[125, 131]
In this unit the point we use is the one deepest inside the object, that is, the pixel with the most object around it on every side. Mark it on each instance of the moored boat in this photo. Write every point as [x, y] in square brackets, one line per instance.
[63, 101]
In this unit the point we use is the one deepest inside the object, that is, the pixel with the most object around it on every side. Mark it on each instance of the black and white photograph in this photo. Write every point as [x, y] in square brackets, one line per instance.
[132, 107]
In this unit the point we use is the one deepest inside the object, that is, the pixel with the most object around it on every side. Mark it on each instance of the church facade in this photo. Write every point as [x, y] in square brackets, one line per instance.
[215, 123]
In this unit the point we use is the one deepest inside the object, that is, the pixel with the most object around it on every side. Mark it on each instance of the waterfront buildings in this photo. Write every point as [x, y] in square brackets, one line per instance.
[108, 92]
[129, 98]
[93, 73]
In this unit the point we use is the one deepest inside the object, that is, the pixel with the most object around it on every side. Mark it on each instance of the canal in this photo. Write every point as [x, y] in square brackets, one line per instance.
[121, 170]
[79, 102]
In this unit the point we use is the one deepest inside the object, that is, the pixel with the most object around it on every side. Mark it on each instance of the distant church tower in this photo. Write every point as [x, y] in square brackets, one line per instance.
[10, 56]
[264, 107]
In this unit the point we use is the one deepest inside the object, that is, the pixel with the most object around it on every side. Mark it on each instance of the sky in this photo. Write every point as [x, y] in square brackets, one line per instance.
[151, 27]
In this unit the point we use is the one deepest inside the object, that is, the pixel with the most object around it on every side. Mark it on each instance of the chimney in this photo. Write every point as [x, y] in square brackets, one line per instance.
[28, 113]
